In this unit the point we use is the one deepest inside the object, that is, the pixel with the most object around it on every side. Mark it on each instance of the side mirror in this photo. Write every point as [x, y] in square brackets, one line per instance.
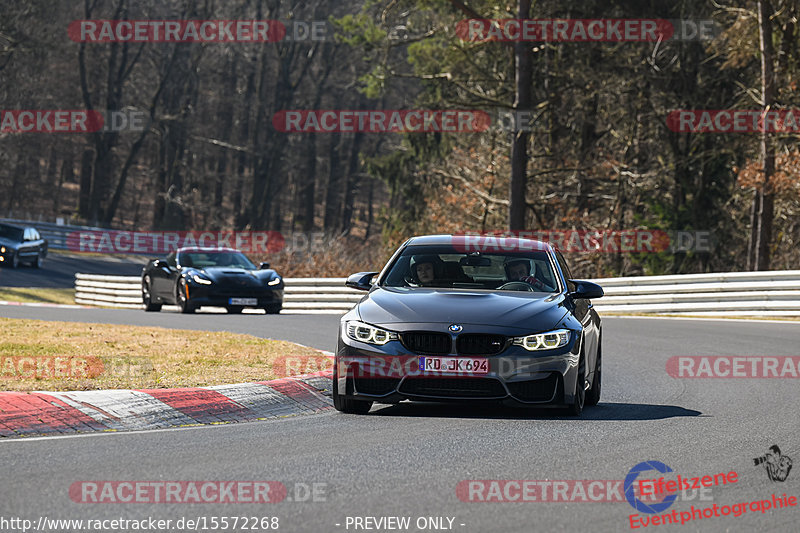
[361, 281]
[263, 266]
[159, 263]
[586, 289]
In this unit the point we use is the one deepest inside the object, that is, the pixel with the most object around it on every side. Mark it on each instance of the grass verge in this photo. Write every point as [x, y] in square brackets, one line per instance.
[37, 295]
[41, 355]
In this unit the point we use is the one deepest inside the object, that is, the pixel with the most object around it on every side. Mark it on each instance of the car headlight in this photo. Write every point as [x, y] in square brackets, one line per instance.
[360, 331]
[2, 249]
[543, 341]
[201, 280]
[274, 281]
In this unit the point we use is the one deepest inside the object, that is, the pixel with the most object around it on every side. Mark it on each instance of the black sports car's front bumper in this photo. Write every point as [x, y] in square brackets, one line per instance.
[202, 295]
[390, 373]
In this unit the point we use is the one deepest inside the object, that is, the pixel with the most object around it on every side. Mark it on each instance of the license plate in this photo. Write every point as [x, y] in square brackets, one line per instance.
[243, 301]
[461, 365]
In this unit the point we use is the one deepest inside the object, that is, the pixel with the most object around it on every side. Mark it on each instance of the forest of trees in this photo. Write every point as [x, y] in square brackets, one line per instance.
[599, 154]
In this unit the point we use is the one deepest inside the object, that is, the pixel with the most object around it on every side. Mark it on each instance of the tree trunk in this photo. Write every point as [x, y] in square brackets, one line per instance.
[519, 147]
[66, 174]
[352, 182]
[332, 196]
[764, 202]
[85, 184]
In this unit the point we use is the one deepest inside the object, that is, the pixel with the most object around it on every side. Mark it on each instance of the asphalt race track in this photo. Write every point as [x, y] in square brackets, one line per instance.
[407, 460]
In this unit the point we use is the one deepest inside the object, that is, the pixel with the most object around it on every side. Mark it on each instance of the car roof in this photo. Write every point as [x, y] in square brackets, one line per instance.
[444, 239]
[206, 249]
[15, 226]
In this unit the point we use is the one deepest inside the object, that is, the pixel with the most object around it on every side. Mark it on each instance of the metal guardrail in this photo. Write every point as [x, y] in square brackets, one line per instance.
[56, 234]
[301, 295]
[769, 294]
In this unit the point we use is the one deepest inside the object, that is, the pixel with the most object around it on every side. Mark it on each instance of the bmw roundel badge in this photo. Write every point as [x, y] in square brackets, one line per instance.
[455, 328]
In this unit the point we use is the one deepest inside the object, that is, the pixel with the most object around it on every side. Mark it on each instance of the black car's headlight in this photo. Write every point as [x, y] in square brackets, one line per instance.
[2, 249]
[359, 331]
[274, 281]
[543, 341]
[197, 278]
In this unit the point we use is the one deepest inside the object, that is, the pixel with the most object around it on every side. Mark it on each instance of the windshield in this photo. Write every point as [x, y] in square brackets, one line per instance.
[216, 259]
[445, 267]
[10, 232]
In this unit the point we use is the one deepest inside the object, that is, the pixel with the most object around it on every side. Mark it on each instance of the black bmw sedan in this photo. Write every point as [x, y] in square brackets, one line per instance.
[445, 321]
[220, 277]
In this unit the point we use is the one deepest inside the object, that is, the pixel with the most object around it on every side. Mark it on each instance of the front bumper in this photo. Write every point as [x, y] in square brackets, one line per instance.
[219, 297]
[390, 374]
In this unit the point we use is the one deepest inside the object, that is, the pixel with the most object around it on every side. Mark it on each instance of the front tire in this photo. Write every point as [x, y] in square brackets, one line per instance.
[274, 309]
[183, 302]
[579, 397]
[15, 260]
[147, 297]
[37, 263]
[347, 405]
[593, 396]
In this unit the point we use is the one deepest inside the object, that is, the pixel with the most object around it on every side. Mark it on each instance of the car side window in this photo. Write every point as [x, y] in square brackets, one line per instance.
[171, 260]
[565, 269]
[26, 234]
[35, 234]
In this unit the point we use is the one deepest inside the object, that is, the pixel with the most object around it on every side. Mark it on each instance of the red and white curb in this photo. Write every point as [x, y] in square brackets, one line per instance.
[55, 413]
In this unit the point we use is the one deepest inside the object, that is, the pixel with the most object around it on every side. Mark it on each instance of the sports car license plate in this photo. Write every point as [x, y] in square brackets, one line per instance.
[243, 301]
[461, 365]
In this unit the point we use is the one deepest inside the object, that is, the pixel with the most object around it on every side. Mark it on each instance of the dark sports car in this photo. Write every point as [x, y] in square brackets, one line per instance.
[21, 244]
[221, 277]
[443, 322]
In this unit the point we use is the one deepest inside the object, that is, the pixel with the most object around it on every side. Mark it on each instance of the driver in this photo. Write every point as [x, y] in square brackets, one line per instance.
[520, 270]
[425, 269]
[223, 259]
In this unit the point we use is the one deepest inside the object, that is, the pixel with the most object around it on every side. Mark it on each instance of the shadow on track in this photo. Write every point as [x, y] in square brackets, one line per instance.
[602, 411]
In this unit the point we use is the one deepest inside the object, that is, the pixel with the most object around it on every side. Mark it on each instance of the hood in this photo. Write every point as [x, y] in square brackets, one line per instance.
[10, 243]
[516, 312]
[236, 277]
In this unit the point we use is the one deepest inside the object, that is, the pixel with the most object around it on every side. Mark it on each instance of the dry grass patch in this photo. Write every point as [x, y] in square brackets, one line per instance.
[37, 295]
[40, 355]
